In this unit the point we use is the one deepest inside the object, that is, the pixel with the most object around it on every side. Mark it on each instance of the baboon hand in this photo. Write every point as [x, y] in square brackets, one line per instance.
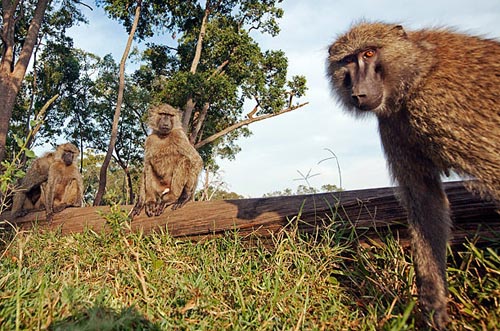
[136, 210]
[60, 208]
[160, 207]
[183, 199]
[149, 208]
[20, 213]
[155, 208]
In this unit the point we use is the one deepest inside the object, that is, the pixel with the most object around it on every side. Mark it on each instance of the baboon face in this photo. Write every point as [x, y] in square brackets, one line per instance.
[163, 119]
[372, 67]
[360, 76]
[67, 153]
[165, 122]
[68, 157]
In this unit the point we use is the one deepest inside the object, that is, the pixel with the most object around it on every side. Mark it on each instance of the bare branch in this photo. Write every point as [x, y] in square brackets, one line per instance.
[199, 122]
[30, 41]
[199, 44]
[190, 103]
[116, 118]
[243, 123]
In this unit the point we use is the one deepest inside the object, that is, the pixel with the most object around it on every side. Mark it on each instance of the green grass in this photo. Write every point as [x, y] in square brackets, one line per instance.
[129, 281]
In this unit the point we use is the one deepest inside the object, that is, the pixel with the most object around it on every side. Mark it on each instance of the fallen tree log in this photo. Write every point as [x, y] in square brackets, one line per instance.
[369, 211]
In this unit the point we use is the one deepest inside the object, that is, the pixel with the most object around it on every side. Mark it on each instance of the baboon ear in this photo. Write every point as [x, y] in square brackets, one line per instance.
[398, 29]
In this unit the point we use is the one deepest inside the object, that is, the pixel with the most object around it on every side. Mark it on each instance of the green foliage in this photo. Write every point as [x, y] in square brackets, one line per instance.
[232, 71]
[118, 188]
[12, 171]
[64, 71]
[52, 40]
[59, 16]
[478, 269]
[117, 219]
[106, 319]
[83, 113]
[131, 129]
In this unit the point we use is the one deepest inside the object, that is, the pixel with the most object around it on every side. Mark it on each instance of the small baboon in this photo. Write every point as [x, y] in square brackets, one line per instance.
[52, 182]
[64, 186]
[171, 164]
[30, 195]
[436, 96]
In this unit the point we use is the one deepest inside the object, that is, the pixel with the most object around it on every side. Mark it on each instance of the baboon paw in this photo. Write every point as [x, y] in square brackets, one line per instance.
[160, 207]
[59, 208]
[135, 211]
[150, 208]
[20, 213]
[178, 205]
[439, 320]
[436, 314]
[181, 202]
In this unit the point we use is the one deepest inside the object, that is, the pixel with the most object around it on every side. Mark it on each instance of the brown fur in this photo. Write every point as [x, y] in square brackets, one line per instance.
[49, 177]
[440, 111]
[64, 186]
[171, 164]
[29, 196]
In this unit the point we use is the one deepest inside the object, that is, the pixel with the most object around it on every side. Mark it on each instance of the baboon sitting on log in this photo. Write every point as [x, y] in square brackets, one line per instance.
[436, 96]
[53, 181]
[64, 183]
[171, 164]
[31, 195]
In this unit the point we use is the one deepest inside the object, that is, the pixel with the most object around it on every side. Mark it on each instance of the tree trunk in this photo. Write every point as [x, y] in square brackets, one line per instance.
[116, 118]
[186, 115]
[190, 104]
[8, 94]
[11, 72]
[371, 212]
[199, 123]
[130, 187]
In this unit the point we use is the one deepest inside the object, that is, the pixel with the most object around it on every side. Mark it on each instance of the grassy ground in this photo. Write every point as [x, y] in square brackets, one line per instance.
[127, 281]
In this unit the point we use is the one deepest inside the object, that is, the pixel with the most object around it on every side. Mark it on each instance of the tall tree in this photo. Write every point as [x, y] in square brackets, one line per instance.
[213, 69]
[12, 69]
[116, 117]
[128, 153]
[24, 24]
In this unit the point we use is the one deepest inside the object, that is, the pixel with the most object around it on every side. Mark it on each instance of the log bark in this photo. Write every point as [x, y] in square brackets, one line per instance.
[372, 212]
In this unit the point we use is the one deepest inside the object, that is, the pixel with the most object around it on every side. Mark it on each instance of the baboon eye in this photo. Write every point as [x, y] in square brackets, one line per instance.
[348, 59]
[369, 53]
[347, 81]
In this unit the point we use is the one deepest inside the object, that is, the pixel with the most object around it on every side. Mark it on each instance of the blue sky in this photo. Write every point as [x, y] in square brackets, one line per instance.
[281, 147]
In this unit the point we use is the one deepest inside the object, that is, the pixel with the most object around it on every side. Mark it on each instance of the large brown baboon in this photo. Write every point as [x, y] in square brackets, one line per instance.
[171, 164]
[53, 181]
[436, 96]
